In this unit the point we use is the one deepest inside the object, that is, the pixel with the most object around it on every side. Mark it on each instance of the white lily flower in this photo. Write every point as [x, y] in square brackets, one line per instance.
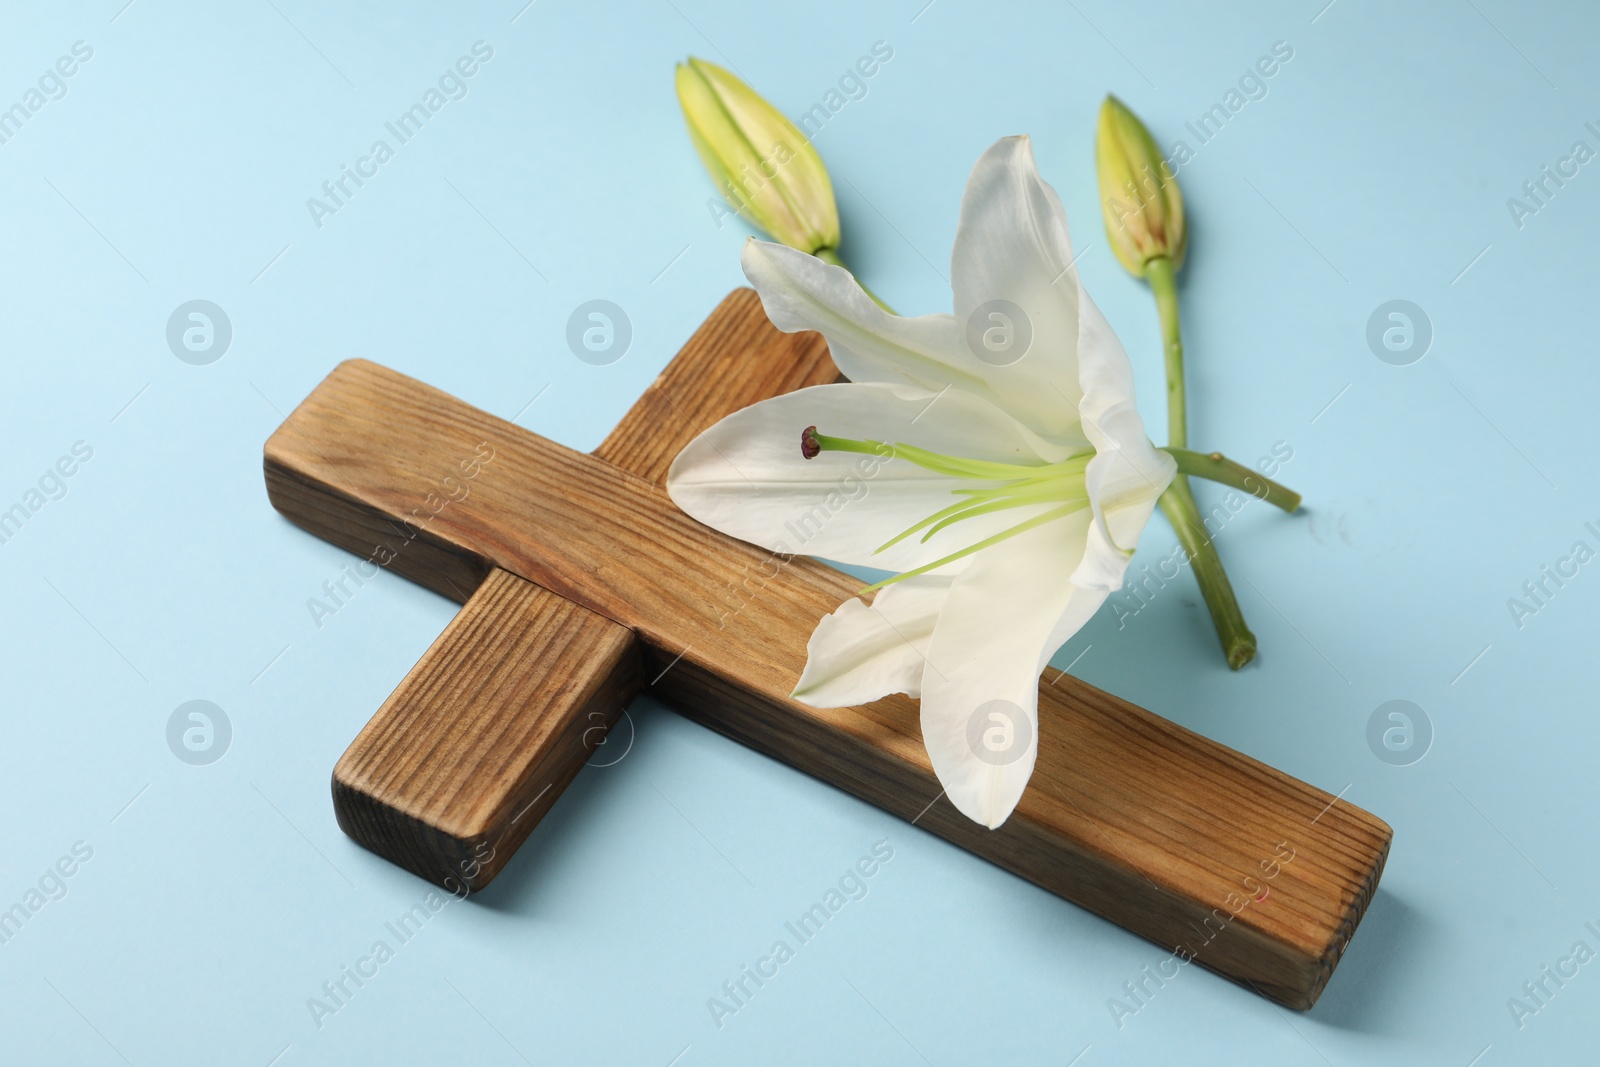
[994, 458]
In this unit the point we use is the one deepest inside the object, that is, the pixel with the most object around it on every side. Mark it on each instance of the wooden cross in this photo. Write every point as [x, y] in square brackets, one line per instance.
[583, 585]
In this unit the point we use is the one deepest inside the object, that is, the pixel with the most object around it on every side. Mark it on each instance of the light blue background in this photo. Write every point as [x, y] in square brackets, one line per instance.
[220, 898]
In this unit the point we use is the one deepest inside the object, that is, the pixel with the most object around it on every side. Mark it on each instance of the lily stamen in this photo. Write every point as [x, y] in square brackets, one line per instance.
[1015, 485]
[1021, 527]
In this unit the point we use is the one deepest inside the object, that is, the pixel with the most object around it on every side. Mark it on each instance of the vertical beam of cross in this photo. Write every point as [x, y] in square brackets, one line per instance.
[492, 724]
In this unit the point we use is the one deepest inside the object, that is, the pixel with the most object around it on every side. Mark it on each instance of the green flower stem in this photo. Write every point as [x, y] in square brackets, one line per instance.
[1177, 503]
[1216, 467]
[1162, 276]
[828, 255]
[1238, 643]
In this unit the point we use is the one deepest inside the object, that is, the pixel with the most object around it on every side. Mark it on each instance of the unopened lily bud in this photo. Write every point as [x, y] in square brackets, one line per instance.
[762, 164]
[1139, 194]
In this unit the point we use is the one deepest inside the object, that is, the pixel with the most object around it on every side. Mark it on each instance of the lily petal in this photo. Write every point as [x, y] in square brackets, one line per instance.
[745, 476]
[1128, 473]
[1012, 244]
[800, 292]
[1007, 612]
[862, 652]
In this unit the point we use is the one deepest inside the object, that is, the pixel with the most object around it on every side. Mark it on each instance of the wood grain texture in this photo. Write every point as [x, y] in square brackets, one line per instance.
[457, 767]
[492, 724]
[736, 358]
[1134, 817]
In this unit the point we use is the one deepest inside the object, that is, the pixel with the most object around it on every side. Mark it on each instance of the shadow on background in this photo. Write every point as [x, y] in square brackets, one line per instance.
[582, 814]
[1368, 990]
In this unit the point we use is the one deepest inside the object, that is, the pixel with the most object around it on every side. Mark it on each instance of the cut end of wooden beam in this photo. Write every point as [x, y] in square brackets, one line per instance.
[462, 760]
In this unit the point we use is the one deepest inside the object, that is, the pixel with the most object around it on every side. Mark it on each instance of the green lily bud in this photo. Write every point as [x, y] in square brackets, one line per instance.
[1138, 191]
[763, 165]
